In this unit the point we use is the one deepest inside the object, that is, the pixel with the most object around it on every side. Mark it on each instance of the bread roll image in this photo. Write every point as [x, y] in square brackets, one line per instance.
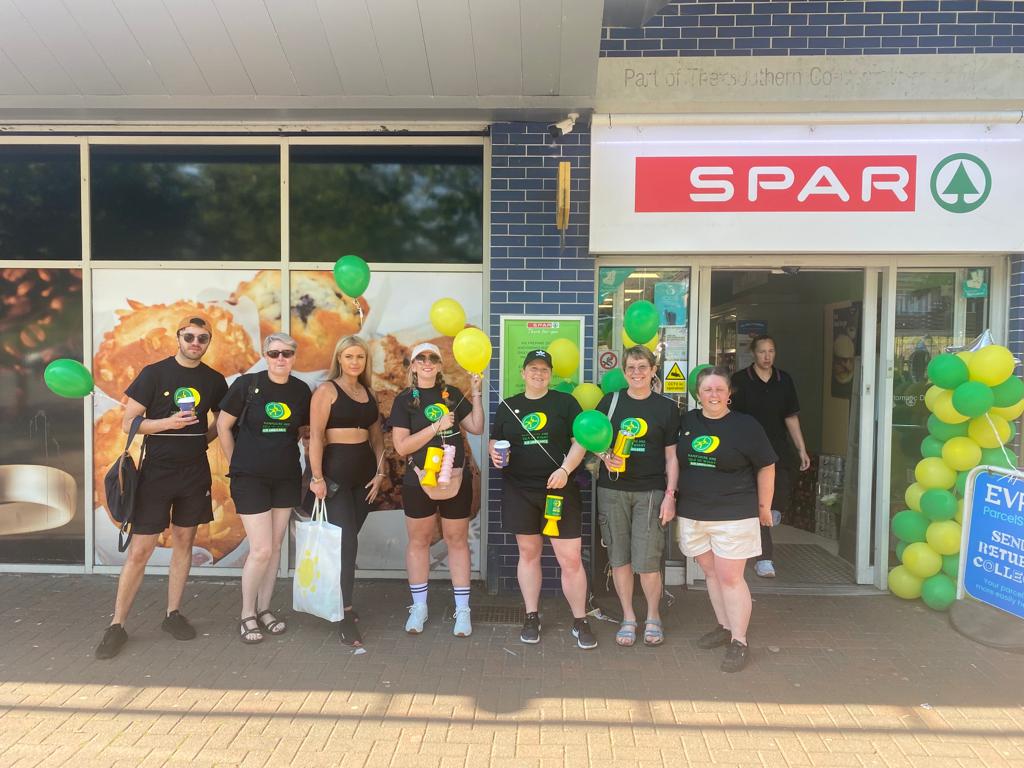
[320, 315]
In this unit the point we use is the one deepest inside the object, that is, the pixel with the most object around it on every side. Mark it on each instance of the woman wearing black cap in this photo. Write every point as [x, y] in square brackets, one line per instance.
[541, 461]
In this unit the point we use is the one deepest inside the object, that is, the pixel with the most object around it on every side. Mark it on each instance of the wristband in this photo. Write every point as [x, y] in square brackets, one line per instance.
[564, 470]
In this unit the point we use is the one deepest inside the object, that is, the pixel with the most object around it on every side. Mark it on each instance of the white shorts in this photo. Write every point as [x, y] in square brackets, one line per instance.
[731, 539]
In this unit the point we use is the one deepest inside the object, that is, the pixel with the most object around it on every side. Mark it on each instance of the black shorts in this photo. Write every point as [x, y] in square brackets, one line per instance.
[178, 494]
[522, 510]
[253, 495]
[418, 505]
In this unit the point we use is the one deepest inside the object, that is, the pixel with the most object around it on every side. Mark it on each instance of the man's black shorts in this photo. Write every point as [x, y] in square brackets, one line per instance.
[522, 510]
[253, 495]
[178, 494]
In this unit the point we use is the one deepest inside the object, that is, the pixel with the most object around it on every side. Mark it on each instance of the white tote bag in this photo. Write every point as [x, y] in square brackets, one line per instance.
[316, 588]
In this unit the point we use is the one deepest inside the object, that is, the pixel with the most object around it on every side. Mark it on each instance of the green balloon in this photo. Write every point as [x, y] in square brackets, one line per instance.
[1009, 392]
[691, 381]
[352, 275]
[937, 504]
[972, 398]
[996, 457]
[641, 321]
[1013, 432]
[961, 484]
[593, 431]
[68, 378]
[564, 386]
[947, 371]
[613, 381]
[951, 565]
[909, 526]
[931, 447]
[943, 431]
[900, 548]
[938, 592]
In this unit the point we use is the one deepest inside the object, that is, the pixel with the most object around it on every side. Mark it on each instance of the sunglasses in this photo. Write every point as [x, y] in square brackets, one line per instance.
[424, 358]
[273, 354]
[202, 338]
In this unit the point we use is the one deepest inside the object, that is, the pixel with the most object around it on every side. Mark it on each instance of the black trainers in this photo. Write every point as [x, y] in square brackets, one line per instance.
[736, 657]
[114, 638]
[177, 625]
[716, 637]
[531, 629]
[584, 634]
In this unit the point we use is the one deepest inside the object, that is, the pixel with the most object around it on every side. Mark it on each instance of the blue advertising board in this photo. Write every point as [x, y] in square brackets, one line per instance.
[992, 552]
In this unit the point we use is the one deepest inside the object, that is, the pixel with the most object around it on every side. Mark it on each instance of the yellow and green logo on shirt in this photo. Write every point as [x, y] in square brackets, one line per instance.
[435, 412]
[182, 392]
[705, 443]
[278, 411]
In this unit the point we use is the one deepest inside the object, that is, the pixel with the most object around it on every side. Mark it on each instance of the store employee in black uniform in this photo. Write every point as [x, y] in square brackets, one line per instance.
[174, 485]
[266, 477]
[768, 394]
[543, 459]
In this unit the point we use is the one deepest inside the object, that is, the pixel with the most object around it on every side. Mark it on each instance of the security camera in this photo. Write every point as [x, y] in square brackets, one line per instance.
[562, 127]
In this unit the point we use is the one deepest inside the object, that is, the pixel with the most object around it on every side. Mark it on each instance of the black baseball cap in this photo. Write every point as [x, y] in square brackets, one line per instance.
[537, 354]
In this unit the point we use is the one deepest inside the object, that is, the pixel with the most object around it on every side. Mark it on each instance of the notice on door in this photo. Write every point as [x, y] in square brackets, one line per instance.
[675, 377]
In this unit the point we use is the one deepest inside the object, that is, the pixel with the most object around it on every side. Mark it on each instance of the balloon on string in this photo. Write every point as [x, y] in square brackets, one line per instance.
[921, 560]
[961, 453]
[933, 473]
[472, 350]
[613, 381]
[691, 381]
[931, 447]
[945, 409]
[944, 537]
[593, 431]
[447, 316]
[938, 504]
[904, 584]
[352, 275]
[940, 430]
[627, 342]
[909, 526]
[913, 495]
[68, 378]
[1008, 393]
[587, 395]
[989, 431]
[991, 365]
[951, 565]
[1010, 413]
[947, 371]
[641, 321]
[972, 398]
[565, 357]
[938, 592]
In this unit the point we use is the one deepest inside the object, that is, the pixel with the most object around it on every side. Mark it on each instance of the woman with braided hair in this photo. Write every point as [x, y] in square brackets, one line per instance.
[426, 418]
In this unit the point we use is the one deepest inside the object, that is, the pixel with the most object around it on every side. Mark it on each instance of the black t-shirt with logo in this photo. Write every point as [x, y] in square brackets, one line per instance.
[432, 407]
[159, 387]
[267, 444]
[655, 423]
[535, 454]
[770, 402]
[718, 464]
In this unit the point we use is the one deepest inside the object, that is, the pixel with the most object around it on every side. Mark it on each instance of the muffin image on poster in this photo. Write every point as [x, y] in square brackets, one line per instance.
[135, 317]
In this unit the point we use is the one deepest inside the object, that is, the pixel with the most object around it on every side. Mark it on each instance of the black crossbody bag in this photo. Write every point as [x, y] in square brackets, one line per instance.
[121, 484]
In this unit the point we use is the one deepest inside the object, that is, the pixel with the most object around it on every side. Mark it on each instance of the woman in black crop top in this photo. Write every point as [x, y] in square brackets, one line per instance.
[346, 446]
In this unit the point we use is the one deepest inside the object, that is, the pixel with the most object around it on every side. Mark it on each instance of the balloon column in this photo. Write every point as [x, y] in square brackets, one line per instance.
[974, 403]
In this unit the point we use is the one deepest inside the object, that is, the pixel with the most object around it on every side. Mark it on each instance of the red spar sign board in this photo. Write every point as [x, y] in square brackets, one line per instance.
[773, 183]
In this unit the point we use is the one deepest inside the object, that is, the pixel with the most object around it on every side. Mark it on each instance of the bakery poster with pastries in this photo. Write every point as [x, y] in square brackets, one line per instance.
[42, 437]
[395, 318]
[135, 313]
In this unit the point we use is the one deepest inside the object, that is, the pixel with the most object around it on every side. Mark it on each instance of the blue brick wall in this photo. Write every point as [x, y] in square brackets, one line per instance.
[1015, 337]
[823, 27]
[530, 273]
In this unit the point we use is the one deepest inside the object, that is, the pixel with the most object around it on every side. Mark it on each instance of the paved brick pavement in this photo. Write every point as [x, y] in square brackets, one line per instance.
[856, 681]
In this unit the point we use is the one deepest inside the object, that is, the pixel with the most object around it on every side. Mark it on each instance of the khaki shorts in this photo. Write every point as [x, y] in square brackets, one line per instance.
[731, 539]
[631, 528]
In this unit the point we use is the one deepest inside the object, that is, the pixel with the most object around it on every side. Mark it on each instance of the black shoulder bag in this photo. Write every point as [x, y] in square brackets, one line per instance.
[120, 485]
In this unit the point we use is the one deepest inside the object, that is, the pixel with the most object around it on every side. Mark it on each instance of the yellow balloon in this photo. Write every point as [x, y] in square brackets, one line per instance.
[628, 342]
[944, 537]
[447, 316]
[966, 357]
[472, 350]
[1010, 412]
[933, 473]
[988, 430]
[588, 396]
[991, 365]
[931, 395]
[913, 496]
[565, 357]
[944, 410]
[961, 453]
[903, 583]
[921, 560]
[959, 516]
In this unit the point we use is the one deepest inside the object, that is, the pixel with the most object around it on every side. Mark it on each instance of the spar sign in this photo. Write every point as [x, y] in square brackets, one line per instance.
[992, 551]
[658, 189]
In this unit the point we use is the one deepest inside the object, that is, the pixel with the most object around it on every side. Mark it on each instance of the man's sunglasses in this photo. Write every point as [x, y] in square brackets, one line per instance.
[424, 358]
[202, 338]
[273, 354]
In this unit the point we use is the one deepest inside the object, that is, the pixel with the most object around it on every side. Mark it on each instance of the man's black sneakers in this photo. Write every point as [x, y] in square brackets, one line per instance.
[531, 629]
[584, 634]
[114, 638]
[177, 625]
[736, 657]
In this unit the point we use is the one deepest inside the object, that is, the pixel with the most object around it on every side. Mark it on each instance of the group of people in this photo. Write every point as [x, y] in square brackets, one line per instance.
[713, 467]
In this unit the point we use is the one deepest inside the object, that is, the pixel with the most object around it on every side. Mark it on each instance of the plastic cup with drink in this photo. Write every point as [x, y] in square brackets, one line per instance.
[502, 448]
[187, 404]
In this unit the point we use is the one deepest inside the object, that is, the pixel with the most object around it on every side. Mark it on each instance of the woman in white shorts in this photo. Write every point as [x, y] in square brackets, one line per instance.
[726, 479]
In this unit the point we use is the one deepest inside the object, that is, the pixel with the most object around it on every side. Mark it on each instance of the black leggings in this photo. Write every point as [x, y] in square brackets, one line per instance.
[351, 466]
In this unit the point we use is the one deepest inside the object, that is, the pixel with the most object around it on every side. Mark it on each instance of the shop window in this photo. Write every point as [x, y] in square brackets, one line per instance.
[387, 204]
[186, 203]
[40, 203]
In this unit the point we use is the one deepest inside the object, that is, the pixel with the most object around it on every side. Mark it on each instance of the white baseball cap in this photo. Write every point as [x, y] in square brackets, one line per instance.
[426, 346]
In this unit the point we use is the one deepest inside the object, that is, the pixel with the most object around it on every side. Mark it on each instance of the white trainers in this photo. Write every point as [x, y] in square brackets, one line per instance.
[417, 618]
[765, 569]
[463, 626]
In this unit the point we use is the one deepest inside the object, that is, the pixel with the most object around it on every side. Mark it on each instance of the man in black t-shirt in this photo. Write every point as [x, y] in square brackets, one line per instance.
[176, 396]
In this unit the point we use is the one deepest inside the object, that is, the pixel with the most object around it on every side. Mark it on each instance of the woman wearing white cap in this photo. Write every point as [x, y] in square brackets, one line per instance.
[427, 415]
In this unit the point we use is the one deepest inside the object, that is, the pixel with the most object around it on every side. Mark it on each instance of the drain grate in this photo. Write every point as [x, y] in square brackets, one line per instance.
[493, 614]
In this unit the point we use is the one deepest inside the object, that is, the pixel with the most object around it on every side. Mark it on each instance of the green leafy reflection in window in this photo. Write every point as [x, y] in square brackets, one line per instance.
[393, 204]
[40, 203]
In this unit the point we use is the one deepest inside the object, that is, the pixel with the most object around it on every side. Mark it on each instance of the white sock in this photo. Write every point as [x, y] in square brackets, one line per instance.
[461, 597]
[419, 593]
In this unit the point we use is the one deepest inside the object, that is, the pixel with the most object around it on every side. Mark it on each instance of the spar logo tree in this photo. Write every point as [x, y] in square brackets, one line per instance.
[958, 177]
